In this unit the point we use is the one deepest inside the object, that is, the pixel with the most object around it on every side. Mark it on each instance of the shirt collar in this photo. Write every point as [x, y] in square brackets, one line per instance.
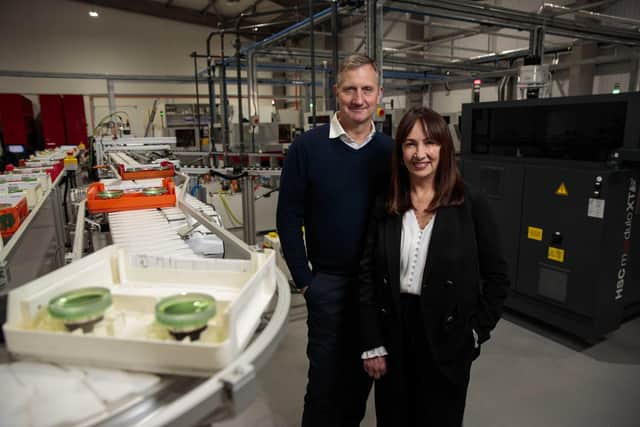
[337, 131]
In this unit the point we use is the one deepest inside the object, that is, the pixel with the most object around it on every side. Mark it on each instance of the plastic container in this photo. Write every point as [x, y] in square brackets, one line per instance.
[128, 201]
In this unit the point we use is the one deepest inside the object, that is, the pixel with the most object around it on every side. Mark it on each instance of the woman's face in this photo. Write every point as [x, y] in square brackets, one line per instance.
[420, 154]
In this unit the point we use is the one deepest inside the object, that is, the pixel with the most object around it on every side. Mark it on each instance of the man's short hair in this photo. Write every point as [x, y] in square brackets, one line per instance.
[354, 61]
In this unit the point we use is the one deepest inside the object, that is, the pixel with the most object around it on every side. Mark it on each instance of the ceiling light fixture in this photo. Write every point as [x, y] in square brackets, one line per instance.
[93, 14]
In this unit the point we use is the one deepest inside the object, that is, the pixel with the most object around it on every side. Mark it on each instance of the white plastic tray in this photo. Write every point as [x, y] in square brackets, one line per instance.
[243, 289]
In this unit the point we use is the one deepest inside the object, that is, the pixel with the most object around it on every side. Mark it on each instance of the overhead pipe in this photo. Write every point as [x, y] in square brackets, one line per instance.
[317, 18]
[509, 18]
[587, 13]
[124, 77]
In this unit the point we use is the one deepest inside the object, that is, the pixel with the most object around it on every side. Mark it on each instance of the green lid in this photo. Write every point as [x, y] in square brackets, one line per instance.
[110, 194]
[154, 191]
[185, 312]
[80, 305]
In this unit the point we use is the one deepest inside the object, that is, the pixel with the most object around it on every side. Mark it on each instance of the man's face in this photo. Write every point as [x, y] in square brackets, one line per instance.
[358, 95]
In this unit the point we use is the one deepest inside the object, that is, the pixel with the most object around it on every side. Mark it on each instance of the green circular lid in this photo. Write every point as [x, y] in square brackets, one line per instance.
[185, 312]
[80, 305]
[154, 191]
[110, 194]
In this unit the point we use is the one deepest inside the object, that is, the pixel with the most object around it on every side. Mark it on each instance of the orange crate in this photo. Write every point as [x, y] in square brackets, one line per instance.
[11, 217]
[130, 201]
[148, 174]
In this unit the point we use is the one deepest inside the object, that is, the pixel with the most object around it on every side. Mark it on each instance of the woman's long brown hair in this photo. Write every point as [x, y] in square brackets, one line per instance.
[448, 184]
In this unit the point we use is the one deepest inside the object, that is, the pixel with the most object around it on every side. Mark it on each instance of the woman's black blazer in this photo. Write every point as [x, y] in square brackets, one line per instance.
[463, 287]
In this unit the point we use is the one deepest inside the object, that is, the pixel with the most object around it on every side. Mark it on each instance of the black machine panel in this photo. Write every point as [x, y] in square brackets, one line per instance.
[571, 242]
[561, 176]
[588, 132]
[502, 183]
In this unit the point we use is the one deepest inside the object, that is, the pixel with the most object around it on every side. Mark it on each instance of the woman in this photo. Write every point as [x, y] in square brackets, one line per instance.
[432, 280]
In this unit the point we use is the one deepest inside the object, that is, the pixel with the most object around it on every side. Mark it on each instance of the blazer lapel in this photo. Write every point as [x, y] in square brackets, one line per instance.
[440, 241]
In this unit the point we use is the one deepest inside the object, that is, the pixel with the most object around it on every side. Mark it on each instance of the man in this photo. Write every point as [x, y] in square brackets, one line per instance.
[331, 176]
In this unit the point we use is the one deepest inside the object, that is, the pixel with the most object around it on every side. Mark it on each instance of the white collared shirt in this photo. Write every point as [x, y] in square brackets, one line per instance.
[337, 131]
[414, 249]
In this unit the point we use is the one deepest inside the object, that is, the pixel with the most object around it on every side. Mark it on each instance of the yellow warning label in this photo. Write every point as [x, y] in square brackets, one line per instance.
[534, 233]
[555, 254]
[562, 190]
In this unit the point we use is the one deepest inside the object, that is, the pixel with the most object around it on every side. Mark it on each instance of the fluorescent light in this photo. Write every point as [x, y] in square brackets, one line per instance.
[93, 14]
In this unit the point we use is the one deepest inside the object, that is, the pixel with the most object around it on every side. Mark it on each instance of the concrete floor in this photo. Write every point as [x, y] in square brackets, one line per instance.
[527, 376]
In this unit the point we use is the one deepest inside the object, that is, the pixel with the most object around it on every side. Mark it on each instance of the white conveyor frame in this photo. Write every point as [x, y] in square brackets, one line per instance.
[231, 389]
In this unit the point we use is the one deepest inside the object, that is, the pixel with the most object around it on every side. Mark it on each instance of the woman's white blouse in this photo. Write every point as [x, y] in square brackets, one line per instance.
[414, 249]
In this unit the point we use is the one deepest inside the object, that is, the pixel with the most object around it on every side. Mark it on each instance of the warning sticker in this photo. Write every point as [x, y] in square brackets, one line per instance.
[596, 208]
[534, 233]
[555, 254]
[562, 190]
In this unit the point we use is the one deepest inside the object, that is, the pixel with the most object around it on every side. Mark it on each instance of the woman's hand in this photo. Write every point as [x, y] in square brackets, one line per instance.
[376, 367]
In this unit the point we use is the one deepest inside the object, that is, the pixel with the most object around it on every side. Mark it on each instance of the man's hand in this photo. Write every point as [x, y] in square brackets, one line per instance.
[303, 290]
[376, 367]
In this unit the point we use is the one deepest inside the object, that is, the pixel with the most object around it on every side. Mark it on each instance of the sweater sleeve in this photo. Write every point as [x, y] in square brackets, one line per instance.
[290, 214]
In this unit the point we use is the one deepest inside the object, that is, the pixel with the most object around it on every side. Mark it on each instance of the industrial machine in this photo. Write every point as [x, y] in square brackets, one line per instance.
[322, 117]
[561, 176]
[63, 120]
[182, 123]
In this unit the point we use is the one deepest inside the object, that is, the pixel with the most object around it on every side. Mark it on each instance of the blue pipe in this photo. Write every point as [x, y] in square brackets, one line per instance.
[412, 75]
[280, 34]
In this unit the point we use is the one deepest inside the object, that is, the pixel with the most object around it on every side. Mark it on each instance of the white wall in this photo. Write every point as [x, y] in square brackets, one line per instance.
[58, 36]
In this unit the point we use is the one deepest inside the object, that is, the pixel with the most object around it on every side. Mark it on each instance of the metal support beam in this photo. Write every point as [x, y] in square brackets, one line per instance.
[239, 89]
[195, 75]
[248, 210]
[536, 44]
[312, 57]
[224, 101]
[212, 100]
[332, 102]
[112, 96]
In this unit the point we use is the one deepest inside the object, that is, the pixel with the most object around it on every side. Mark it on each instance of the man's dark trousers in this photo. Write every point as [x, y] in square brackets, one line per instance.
[338, 386]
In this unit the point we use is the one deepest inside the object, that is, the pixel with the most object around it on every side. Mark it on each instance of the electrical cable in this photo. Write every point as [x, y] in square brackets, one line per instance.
[232, 216]
[229, 177]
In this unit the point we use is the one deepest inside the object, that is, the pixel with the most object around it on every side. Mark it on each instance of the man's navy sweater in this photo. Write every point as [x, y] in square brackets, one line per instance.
[329, 188]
